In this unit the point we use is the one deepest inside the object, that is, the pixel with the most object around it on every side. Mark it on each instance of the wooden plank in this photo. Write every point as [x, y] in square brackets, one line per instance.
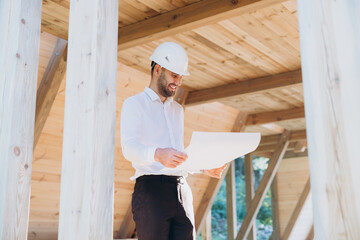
[296, 213]
[275, 209]
[244, 87]
[215, 184]
[300, 146]
[19, 50]
[87, 177]
[274, 116]
[249, 190]
[332, 102]
[185, 19]
[49, 86]
[127, 227]
[231, 201]
[264, 186]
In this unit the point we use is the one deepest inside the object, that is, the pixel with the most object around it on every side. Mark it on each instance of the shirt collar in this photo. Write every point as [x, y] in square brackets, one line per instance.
[153, 95]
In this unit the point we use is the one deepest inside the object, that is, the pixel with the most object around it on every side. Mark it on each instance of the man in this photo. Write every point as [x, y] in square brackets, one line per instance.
[152, 126]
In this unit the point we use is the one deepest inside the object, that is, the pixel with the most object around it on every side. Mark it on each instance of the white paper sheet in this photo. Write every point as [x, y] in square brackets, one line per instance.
[209, 150]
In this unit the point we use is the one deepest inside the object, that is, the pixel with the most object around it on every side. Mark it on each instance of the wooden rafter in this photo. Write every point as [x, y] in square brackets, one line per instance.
[214, 184]
[274, 116]
[186, 18]
[264, 185]
[49, 86]
[296, 213]
[244, 87]
[295, 135]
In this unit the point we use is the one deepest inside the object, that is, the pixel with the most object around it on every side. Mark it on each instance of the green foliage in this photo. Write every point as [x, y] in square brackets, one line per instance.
[218, 211]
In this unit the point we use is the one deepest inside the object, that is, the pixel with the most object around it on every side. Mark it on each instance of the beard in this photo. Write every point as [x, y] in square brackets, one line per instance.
[163, 86]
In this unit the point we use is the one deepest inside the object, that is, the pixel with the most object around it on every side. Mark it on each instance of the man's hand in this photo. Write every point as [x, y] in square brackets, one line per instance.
[215, 173]
[170, 157]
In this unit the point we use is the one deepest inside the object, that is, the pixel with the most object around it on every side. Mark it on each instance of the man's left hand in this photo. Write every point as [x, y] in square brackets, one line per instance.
[215, 173]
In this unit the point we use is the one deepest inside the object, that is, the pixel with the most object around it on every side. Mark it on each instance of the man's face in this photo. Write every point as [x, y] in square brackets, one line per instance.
[168, 82]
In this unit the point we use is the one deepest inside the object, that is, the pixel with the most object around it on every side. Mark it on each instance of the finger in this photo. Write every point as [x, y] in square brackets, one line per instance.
[177, 159]
[181, 155]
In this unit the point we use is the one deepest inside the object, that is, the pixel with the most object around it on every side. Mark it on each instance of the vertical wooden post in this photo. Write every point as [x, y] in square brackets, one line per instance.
[87, 192]
[249, 189]
[231, 201]
[206, 233]
[275, 210]
[330, 57]
[19, 57]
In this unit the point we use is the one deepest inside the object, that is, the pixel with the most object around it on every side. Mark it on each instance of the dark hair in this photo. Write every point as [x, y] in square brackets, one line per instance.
[152, 67]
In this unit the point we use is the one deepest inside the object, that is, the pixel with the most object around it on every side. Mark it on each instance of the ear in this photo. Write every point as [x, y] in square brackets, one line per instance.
[157, 69]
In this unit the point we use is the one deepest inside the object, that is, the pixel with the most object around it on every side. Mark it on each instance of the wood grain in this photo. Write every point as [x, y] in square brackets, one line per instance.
[185, 19]
[330, 56]
[49, 86]
[87, 177]
[19, 50]
[244, 87]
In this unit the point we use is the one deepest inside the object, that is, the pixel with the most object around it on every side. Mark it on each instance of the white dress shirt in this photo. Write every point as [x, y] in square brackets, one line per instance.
[148, 124]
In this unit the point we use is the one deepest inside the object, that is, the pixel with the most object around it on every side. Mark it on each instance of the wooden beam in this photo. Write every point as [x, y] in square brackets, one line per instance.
[185, 19]
[87, 177]
[215, 184]
[300, 146]
[127, 227]
[181, 95]
[244, 87]
[330, 56]
[49, 86]
[275, 210]
[296, 213]
[275, 116]
[271, 147]
[295, 136]
[231, 201]
[264, 185]
[19, 50]
[249, 190]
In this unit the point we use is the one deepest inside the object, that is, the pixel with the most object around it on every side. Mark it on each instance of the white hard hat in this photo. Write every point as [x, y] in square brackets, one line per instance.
[171, 56]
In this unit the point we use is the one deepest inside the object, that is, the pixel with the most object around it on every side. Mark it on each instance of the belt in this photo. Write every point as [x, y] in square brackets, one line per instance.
[161, 178]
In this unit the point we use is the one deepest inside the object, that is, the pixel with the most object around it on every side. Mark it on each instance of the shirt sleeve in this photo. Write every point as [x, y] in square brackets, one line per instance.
[130, 131]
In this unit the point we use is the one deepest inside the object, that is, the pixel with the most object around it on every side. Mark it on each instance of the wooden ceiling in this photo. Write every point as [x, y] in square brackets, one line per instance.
[252, 44]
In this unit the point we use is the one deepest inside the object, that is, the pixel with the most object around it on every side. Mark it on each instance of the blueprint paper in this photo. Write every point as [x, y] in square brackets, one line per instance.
[209, 150]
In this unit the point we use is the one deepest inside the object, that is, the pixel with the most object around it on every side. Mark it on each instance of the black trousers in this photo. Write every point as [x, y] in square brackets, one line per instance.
[162, 208]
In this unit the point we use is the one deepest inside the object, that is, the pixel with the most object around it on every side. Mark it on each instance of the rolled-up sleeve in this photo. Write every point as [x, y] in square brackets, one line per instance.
[130, 131]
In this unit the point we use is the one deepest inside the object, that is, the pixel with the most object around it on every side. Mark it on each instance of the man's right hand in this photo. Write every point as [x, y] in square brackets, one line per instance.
[169, 157]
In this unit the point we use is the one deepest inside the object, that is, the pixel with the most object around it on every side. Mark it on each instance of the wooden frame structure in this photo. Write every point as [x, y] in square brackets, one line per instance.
[329, 75]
